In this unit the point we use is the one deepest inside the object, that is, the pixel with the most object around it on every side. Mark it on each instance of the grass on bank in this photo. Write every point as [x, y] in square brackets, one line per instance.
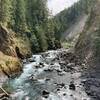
[67, 45]
[8, 64]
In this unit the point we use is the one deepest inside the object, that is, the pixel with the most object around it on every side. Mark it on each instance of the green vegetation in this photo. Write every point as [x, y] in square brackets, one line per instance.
[19, 15]
[88, 44]
[67, 45]
[69, 16]
[30, 18]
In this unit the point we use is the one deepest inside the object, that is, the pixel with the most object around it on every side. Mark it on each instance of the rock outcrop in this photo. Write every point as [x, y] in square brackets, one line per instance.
[6, 43]
[12, 49]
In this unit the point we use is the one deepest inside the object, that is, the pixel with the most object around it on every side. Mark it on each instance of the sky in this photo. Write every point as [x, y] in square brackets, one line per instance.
[55, 6]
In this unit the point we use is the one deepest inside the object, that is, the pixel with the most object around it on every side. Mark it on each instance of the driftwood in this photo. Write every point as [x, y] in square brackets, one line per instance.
[4, 91]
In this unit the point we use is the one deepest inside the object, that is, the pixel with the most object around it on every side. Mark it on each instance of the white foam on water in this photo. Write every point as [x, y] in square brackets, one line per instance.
[29, 70]
[52, 96]
[37, 58]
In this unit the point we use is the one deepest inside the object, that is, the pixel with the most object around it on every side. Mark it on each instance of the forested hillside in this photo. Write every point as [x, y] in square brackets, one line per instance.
[67, 18]
[88, 44]
[25, 28]
[29, 18]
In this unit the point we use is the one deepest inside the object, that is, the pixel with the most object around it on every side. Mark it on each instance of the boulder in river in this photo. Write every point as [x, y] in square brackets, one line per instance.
[31, 60]
[45, 94]
[47, 79]
[33, 78]
[48, 70]
[72, 86]
[62, 85]
[70, 65]
[41, 64]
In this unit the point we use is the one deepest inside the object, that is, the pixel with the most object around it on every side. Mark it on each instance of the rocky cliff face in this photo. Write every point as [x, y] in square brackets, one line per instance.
[6, 42]
[88, 45]
[12, 48]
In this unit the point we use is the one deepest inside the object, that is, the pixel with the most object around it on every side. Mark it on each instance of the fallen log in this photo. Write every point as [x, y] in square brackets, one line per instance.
[4, 91]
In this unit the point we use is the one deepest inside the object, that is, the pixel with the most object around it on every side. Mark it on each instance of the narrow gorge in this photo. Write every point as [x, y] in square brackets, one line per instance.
[49, 57]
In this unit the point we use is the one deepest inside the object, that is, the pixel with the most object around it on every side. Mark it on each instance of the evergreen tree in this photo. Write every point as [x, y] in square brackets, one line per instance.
[19, 16]
[34, 44]
[68, 16]
[30, 18]
[5, 6]
[50, 34]
[40, 34]
[36, 13]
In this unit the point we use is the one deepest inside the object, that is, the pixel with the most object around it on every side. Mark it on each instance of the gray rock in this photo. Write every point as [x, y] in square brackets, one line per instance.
[45, 94]
[72, 86]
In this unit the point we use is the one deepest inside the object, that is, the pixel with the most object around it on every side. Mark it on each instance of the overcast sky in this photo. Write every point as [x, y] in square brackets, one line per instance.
[55, 6]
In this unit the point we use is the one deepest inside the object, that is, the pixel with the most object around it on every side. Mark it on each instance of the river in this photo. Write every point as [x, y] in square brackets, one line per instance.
[47, 76]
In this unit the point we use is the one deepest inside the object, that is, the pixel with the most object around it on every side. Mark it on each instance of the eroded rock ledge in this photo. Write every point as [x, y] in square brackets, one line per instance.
[10, 56]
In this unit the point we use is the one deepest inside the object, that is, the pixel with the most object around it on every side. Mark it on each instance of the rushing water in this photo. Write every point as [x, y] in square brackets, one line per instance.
[40, 75]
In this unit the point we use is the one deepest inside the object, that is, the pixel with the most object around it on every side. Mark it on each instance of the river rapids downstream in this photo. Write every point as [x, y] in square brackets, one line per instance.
[53, 75]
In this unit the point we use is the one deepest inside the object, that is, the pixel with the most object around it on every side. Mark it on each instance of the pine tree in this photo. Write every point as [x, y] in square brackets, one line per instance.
[5, 6]
[36, 15]
[19, 16]
[36, 12]
[40, 34]
[34, 44]
[31, 18]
